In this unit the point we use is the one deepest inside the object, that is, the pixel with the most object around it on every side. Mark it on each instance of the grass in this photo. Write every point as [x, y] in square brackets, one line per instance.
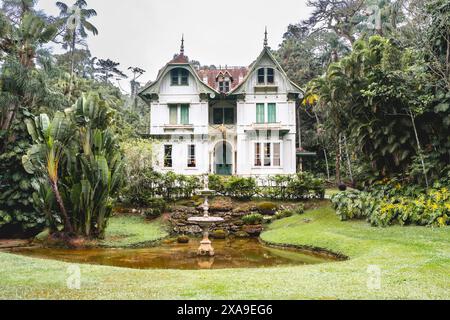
[132, 231]
[414, 264]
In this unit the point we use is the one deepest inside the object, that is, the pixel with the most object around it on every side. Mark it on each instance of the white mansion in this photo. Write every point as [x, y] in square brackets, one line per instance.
[228, 121]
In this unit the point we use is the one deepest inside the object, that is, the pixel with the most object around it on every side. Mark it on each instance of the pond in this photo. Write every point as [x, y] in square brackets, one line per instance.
[238, 253]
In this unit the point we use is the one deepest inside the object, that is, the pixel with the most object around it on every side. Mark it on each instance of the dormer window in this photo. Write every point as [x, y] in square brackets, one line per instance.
[179, 77]
[223, 81]
[224, 86]
[266, 76]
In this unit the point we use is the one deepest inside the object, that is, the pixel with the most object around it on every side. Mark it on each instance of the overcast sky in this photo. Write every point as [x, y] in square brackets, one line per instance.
[147, 33]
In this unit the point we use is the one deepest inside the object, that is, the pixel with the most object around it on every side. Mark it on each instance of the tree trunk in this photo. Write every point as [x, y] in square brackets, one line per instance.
[419, 148]
[67, 225]
[338, 160]
[72, 67]
[349, 163]
[326, 163]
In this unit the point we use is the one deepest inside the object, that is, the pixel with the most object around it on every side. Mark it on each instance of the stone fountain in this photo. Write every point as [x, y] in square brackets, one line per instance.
[206, 221]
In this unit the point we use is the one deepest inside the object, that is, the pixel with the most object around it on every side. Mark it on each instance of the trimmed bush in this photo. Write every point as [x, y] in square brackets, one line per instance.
[280, 187]
[267, 208]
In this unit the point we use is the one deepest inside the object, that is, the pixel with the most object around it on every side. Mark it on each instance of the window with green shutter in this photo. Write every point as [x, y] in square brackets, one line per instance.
[184, 114]
[260, 113]
[272, 112]
[173, 114]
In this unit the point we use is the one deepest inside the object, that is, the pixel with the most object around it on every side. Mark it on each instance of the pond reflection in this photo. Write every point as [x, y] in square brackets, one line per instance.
[238, 253]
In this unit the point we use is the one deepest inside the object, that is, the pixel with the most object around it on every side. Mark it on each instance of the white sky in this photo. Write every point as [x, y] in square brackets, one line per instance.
[147, 33]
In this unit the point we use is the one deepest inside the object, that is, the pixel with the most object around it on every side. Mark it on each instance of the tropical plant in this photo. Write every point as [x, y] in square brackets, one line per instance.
[50, 139]
[78, 155]
[73, 23]
[253, 219]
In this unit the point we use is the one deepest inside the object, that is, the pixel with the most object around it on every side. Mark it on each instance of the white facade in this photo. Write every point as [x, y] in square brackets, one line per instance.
[244, 127]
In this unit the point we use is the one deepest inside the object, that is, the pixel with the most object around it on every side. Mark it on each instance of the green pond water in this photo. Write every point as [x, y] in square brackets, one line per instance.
[238, 253]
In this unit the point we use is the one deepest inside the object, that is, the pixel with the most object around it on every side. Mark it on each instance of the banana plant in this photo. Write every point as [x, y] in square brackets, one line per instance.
[43, 158]
[98, 167]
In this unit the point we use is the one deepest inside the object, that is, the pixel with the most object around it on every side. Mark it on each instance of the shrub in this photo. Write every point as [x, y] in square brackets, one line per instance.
[156, 208]
[386, 205]
[299, 209]
[241, 188]
[252, 219]
[294, 187]
[219, 234]
[286, 213]
[267, 208]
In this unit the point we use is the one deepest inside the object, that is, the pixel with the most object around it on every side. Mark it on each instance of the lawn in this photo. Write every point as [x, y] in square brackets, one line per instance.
[132, 231]
[414, 264]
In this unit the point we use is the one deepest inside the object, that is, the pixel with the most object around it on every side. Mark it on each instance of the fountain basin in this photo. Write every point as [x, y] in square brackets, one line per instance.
[206, 220]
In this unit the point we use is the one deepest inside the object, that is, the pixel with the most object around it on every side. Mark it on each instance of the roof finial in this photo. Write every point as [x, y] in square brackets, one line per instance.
[182, 45]
[266, 42]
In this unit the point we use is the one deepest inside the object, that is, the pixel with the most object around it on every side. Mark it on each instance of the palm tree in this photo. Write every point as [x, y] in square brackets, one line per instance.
[74, 21]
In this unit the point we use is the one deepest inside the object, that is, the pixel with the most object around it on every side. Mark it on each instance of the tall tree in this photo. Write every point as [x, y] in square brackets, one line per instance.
[106, 69]
[73, 21]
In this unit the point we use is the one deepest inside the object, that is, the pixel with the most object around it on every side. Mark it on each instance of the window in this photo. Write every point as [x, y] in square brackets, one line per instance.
[224, 86]
[183, 110]
[223, 116]
[270, 75]
[266, 76]
[257, 154]
[261, 76]
[260, 113]
[271, 113]
[264, 112]
[277, 154]
[191, 156]
[268, 154]
[179, 77]
[168, 156]
[173, 114]
[184, 119]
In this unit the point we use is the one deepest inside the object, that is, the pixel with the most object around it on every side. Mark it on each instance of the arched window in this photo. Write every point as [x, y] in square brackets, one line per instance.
[179, 77]
[270, 76]
[266, 76]
[261, 76]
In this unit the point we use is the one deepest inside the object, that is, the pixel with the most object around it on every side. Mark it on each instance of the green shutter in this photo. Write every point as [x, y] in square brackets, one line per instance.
[173, 114]
[184, 114]
[260, 113]
[272, 113]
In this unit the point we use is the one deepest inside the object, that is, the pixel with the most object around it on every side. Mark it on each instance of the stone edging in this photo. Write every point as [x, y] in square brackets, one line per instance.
[311, 249]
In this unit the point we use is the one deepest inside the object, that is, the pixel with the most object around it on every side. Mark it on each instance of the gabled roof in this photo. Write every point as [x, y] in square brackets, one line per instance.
[240, 75]
[266, 51]
[179, 60]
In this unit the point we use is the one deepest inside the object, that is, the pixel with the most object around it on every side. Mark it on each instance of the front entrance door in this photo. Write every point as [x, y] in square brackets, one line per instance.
[223, 159]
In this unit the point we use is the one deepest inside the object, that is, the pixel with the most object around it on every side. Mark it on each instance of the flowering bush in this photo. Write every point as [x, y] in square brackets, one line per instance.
[389, 204]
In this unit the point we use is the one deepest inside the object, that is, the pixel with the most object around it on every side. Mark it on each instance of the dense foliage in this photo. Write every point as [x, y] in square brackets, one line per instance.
[34, 81]
[389, 202]
[77, 156]
[281, 187]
